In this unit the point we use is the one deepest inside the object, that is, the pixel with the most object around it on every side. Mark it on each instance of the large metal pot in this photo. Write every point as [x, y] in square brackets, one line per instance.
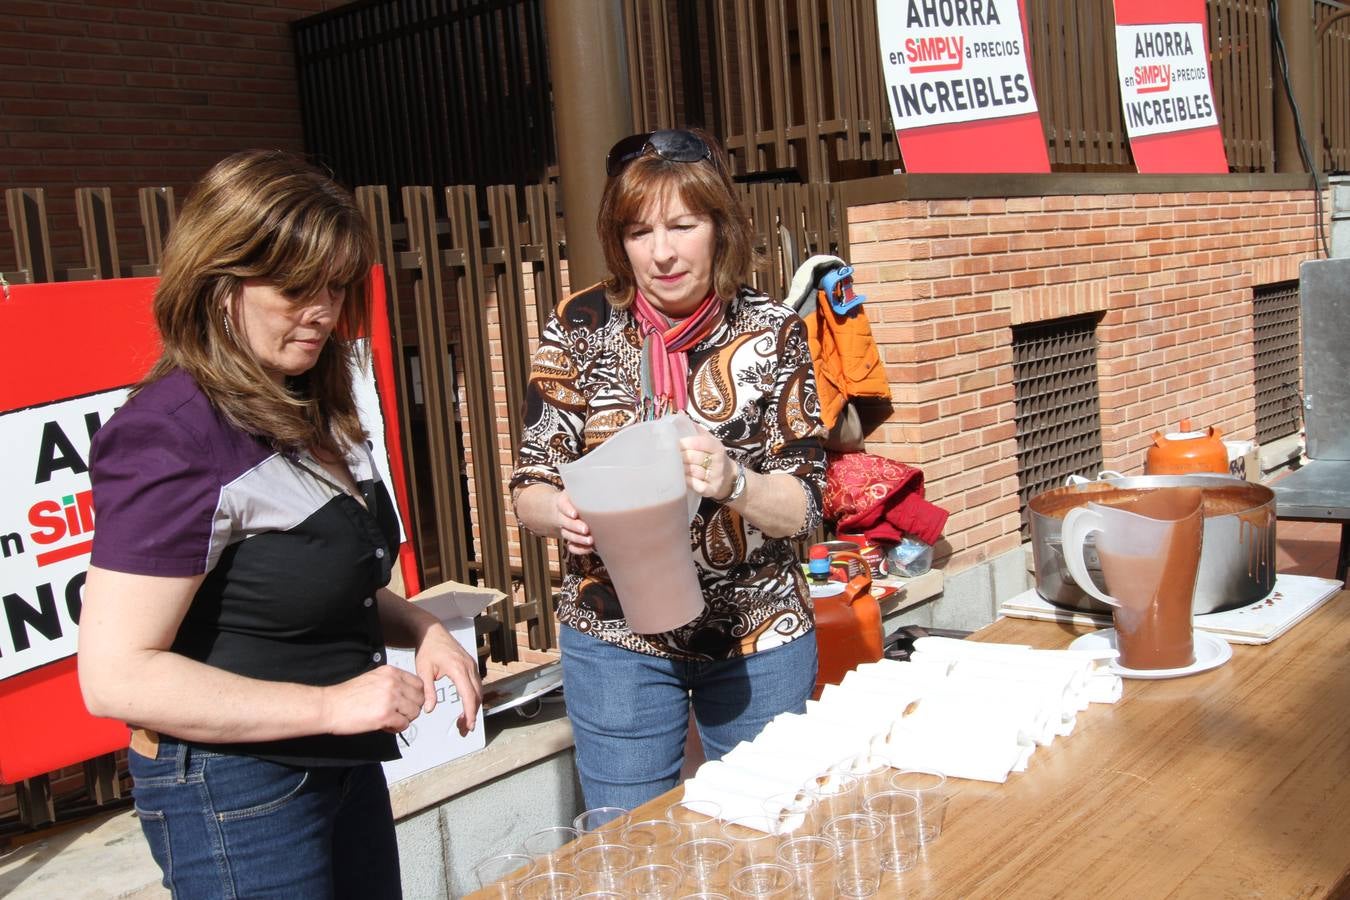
[1237, 559]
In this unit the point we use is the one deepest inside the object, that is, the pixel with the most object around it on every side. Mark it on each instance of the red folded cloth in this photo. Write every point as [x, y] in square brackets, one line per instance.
[880, 498]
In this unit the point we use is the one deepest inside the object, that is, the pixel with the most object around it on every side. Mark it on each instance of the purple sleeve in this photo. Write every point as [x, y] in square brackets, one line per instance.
[155, 496]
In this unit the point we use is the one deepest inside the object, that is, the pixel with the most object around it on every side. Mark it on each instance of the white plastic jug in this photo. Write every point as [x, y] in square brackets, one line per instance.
[631, 492]
[1150, 557]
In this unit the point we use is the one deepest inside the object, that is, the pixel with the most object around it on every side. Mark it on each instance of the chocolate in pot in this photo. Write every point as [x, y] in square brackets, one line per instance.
[1237, 559]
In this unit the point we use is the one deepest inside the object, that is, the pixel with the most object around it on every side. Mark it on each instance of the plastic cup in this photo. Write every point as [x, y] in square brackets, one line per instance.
[762, 880]
[653, 882]
[873, 774]
[696, 818]
[752, 840]
[549, 886]
[930, 789]
[498, 875]
[652, 841]
[704, 863]
[858, 837]
[704, 895]
[813, 860]
[837, 794]
[603, 867]
[791, 814]
[546, 845]
[899, 812]
[609, 819]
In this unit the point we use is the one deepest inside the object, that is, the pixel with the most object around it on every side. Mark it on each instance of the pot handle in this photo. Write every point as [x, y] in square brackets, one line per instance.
[1079, 522]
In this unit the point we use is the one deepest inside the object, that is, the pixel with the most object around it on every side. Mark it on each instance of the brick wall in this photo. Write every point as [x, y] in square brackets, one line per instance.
[1172, 274]
[130, 93]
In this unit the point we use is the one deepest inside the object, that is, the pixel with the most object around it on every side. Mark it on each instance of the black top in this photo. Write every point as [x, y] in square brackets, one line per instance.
[292, 562]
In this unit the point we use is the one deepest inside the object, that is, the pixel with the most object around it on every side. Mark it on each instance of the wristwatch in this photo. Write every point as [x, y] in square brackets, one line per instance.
[738, 487]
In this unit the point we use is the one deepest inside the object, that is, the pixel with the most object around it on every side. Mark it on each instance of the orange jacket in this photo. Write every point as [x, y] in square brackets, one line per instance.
[847, 362]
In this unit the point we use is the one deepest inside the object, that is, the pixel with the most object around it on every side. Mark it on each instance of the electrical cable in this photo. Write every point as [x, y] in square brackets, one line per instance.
[1282, 56]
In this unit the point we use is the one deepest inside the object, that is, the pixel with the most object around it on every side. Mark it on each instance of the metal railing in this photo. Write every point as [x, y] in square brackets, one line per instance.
[409, 92]
[468, 284]
[797, 85]
[793, 88]
[472, 278]
[1333, 49]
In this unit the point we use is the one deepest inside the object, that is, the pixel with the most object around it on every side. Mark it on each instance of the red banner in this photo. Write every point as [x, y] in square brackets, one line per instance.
[1166, 90]
[959, 85]
[68, 354]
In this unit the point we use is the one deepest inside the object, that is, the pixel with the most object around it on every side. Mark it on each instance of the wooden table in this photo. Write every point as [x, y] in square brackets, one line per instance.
[1230, 783]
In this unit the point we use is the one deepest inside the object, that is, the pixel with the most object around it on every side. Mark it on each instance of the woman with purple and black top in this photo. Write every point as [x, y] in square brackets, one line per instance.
[236, 614]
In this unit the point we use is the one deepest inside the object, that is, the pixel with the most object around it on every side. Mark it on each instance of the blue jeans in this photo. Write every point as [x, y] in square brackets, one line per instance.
[630, 711]
[228, 826]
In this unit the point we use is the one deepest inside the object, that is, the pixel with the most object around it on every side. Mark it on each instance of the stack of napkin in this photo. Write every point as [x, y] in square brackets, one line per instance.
[963, 708]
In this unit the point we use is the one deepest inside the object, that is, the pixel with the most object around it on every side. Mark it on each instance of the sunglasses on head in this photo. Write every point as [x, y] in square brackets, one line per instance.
[676, 146]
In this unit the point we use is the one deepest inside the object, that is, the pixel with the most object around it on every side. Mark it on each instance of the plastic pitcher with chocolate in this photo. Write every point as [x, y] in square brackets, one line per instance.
[1150, 556]
[631, 492]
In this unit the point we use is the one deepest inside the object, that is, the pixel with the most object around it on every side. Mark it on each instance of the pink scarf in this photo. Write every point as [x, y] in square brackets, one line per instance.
[665, 352]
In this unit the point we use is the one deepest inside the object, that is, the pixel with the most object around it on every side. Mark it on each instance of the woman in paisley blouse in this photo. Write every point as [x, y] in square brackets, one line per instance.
[675, 328]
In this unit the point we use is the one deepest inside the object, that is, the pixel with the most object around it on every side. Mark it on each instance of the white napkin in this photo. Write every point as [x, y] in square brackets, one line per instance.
[1052, 695]
[798, 766]
[1104, 687]
[950, 727]
[720, 775]
[933, 666]
[739, 792]
[733, 805]
[845, 740]
[1083, 667]
[953, 755]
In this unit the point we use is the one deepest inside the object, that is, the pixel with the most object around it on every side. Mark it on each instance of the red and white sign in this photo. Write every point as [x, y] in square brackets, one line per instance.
[959, 86]
[1165, 89]
[46, 526]
[68, 353]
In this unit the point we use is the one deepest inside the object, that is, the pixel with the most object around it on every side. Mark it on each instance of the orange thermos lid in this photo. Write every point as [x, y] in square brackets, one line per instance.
[1186, 451]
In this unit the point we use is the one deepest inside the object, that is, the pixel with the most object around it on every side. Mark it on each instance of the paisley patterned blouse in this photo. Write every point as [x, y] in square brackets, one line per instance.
[752, 385]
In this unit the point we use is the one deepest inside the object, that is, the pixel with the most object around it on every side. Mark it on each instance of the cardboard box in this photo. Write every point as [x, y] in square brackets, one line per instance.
[1244, 460]
[432, 738]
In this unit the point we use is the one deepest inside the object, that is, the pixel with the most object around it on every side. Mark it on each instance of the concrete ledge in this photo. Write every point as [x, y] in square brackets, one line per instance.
[913, 591]
[1280, 454]
[891, 188]
[965, 600]
[108, 857]
[512, 743]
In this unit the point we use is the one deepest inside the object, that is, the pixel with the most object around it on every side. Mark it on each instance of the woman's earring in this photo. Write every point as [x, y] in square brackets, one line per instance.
[229, 332]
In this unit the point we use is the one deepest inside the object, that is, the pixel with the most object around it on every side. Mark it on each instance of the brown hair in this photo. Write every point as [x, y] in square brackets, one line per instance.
[268, 215]
[705, 187]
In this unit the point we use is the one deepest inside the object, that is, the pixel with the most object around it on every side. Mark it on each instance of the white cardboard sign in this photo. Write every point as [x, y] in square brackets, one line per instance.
[1164, 78]
[950, 61]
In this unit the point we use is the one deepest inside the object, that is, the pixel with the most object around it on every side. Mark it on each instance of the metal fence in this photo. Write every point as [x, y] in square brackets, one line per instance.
[409, 92]
[796, 84]
[1333, 49]
[457, 91]
[469, 281]
[1244, 81]
[468, 284]
[787, 84]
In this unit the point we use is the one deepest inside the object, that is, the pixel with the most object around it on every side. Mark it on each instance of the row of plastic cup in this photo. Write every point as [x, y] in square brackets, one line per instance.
[833, 838]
